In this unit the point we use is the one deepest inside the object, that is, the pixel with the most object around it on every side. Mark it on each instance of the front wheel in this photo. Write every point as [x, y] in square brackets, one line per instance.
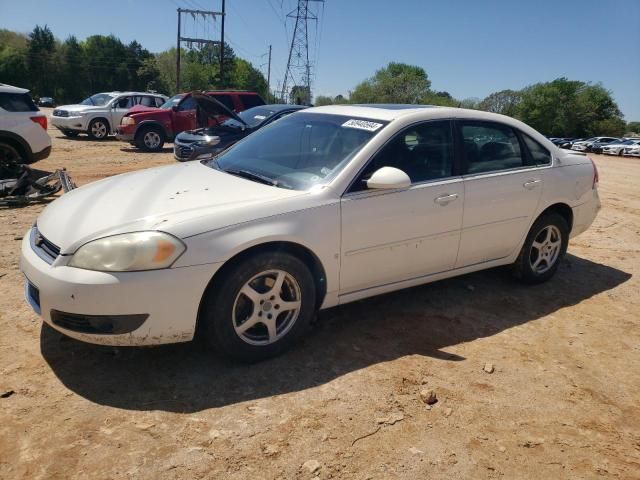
[150, 139]
[261, 307]
[98, 129]
[543, 249]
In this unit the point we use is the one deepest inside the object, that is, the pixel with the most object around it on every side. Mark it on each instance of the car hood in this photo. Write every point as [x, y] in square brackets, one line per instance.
[142, 108]
[81, 108]
[220, 131]
[161, 198]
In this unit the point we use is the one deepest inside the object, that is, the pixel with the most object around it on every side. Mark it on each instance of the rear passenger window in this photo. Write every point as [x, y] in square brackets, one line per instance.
[148, 101]
[226, 100]
[17, 102]
[159, 101]
[250, 101]
[539, 154]
[490, 147]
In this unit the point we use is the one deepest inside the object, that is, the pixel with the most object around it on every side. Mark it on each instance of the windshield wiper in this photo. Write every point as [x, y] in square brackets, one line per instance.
[256, 177]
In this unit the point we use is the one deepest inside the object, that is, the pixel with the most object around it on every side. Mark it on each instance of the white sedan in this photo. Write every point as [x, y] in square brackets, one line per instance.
[326, 206]
[618, 148]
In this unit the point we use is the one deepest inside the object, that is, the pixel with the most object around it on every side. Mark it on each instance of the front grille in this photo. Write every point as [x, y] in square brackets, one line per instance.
[183, 152]
[98, 324]
[60, 113]
[43, 247]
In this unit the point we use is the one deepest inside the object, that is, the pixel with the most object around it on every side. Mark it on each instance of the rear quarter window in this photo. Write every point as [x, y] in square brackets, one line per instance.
[17, 102]
[226, 100]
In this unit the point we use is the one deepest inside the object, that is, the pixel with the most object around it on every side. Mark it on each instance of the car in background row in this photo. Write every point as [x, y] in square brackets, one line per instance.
[149, 129]
[100, 114]
[23, 128]
[632, 150]
[589, 144]
[207, 142]
[46, 102]
[617, 148]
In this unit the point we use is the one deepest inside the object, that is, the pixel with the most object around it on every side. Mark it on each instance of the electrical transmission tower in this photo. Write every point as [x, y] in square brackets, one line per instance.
[297, 75]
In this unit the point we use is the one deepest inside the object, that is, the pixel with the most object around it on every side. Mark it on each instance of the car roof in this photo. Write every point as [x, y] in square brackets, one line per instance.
[278, 107]
[4, 88]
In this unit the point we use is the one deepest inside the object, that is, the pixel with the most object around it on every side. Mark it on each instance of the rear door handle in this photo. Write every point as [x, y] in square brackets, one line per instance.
[446, 199]
[531, 184]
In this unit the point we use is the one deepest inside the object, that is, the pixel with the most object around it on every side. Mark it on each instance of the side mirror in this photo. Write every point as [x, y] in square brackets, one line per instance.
[389, 178]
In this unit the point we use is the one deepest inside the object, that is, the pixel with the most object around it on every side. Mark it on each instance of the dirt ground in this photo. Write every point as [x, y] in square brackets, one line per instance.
[563, 401]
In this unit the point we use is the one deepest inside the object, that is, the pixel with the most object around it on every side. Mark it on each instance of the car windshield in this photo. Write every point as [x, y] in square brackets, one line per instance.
[99, 99]
[299, 151]
[175, 100]
[252, 117]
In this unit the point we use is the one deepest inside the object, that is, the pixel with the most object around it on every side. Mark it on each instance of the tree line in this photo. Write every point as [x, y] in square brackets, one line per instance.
[560, 108]
[71, 70]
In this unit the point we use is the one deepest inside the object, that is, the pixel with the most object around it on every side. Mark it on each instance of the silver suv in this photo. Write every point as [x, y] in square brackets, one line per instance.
[100, 114]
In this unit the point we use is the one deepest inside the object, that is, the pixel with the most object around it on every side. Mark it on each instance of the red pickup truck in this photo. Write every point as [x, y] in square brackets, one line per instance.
[149, 128]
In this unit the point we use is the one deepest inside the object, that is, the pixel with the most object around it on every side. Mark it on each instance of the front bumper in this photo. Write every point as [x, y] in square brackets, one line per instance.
[167, 299]
[184, 152]
[76, 124]
[126, 133]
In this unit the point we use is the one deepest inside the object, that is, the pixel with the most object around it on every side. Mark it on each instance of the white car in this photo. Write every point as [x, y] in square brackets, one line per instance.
[632, 150]
[23, 127]
[100, 114]
[617, 148]
[323, 207]
[586, 145]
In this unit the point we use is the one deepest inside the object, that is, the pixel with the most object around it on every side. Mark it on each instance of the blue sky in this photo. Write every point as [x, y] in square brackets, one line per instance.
[468, 47]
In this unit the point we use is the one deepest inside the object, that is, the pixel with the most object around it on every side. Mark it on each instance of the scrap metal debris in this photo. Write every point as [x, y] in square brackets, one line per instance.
[21, 185]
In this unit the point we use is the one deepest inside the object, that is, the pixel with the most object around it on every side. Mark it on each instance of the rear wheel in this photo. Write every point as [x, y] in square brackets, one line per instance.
[150, 139]
[98, 129]
[261, 307]
[543, 249]
[10, 156]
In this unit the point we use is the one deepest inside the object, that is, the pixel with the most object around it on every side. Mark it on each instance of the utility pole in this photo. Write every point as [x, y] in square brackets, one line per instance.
[178, 56]
[298, 69]
[269, 74]
[222, 46]
[199, 41]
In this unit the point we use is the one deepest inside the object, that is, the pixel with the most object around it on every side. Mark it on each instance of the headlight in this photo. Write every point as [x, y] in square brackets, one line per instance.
[129, 252]
[127, 121]
[209, 141]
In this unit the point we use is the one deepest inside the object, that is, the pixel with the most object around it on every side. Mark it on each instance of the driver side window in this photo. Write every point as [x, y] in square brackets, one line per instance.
[125, 102]
[423, 151]
[187, 104]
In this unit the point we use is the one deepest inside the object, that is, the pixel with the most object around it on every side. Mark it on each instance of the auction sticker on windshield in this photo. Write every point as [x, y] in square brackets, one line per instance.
[362, 125]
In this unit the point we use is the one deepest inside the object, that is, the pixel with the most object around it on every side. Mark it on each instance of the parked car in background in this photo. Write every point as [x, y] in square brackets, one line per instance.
[632, 150]
[596, 147]
[568, 142]
[46, 102]
[208, 142]
[588, 144]
[100, 114]
[617, 148]
[23, 128]
[149, 129]
[323, 207]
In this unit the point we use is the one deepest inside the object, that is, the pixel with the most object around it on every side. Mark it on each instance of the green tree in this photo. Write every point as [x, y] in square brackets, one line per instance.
[396, 83]
[73, 72]
[633, 127]
[41, 46]
[504, 102]
[245, 76]
[321, 100]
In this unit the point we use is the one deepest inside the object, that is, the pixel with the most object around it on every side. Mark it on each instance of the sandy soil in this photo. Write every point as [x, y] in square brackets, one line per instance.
[563, 401]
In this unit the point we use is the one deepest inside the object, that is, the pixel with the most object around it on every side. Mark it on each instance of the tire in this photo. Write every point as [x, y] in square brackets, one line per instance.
[70, 133]
[150, 139]
[551, 233]
[98, 129]
[10, 156]
[244, 318]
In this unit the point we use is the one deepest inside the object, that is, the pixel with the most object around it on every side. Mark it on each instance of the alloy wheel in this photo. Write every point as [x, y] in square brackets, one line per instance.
[99, 129]
[151, 140]
[266, 307]
[545, 249]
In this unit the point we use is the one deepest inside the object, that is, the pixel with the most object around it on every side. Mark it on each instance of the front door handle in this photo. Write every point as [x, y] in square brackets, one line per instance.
[531, 184]
[446, 199]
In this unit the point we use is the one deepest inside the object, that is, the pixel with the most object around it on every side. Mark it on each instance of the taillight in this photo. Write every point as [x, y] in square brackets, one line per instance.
[41, 120]
[596, 177]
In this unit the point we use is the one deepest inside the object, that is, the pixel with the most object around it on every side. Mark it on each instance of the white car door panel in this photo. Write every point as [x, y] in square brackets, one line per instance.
[394, 236]
[503, 187]
[497, 213]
